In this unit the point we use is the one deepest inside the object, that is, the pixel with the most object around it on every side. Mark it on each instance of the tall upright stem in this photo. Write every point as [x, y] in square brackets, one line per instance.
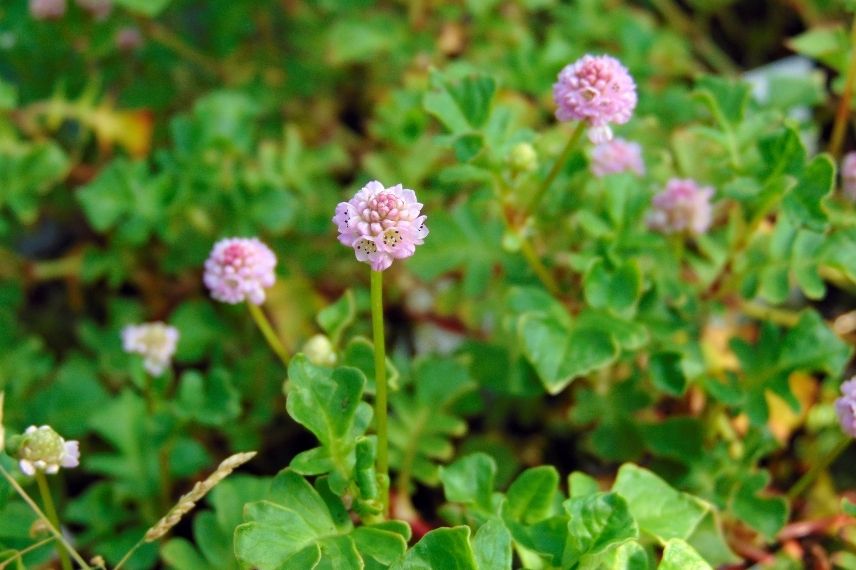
[50, 510]
[557, 167]
[267, 330]
[380, 385]
[836, 140]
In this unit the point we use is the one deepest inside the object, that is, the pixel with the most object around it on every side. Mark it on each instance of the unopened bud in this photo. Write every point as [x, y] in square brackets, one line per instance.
[319, 350]
[523, 158]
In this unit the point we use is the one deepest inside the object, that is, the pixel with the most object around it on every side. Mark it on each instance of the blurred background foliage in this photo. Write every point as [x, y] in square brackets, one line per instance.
[133, 136]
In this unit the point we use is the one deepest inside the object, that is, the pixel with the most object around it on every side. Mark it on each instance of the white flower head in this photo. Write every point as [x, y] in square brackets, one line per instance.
[156, 342]
[42, 449]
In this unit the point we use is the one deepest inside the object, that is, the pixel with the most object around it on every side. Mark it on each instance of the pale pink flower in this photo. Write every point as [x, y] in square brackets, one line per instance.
[848, 175]
[129, 38]
[240, 269]
[42, 449]
[47, 9]
[598, 90]
[98, 9]
[155, 342]
[683, 206]
[845, 407]
[381, 224]
[615, 156]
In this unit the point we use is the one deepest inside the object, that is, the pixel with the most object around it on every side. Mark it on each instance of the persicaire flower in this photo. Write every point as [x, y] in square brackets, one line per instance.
[848, 175]
[129, 38]
[156, 342]
[319, 350]
[240, 269]
[47, 9]
[683, 206]
[98, 9]
[523, 158]
[42, 449]
[598, 90]
[617, 155]
[381, 224]
[845, 407]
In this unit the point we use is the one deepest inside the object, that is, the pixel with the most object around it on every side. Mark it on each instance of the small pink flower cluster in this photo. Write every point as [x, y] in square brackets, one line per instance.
[381, 224]
[616, 156]
[597, 90]
[845, 407]
[848, 175]
[47, 9]
[42, 449]
[240, 269]
[683, 206]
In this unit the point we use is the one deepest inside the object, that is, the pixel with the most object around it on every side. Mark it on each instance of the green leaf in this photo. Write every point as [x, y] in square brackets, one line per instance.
[27, 172]
[329, 404]
[621, 556]
[335, 318]
[492, 546]
[726, 98]
[597, 522]
[848, 506]
[783, 152]
[618, 290]
[561, 352]
[461, 105]
[766, 514]
[678, 555]
[660, 510]
[149, 8]
[676, 437]
[828, 44]
[812, 346]
[580, 484]
[470, 480]
[359, 353]
[210, 401]
[803, 204]
[667, 373]
[296, 527]
[424, 421]
[446, 548]
[529, 499]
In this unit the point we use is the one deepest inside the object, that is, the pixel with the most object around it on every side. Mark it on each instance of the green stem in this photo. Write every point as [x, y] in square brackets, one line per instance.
[836, 140]
[27, 550]
[267, 330]
[557, 167]
[818, 468]
[380, 385]
[538, 267]
[129, 554]
[50, 509]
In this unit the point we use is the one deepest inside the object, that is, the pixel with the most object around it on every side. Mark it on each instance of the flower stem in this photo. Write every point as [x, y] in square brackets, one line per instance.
[380, 385]
[50, 509]
[538, 267]
[267, 330]
[557, 167]
[818, 468]
[129, 554]
[836, 140]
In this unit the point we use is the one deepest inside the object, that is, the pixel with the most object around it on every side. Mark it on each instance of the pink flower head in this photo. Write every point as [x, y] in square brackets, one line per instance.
[598, 90]
[47, 9]
[240, 269]
[617, 155]
[98, 9]
[683, 206]
[155, 342]
[129, 38]
[845, 407]
[848, 175]
[381, 224]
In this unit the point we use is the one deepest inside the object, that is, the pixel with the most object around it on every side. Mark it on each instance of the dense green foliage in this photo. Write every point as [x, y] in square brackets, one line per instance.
[568, 388]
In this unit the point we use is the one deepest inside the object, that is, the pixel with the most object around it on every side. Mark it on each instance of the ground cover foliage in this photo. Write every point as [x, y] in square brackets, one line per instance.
[578, 376]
